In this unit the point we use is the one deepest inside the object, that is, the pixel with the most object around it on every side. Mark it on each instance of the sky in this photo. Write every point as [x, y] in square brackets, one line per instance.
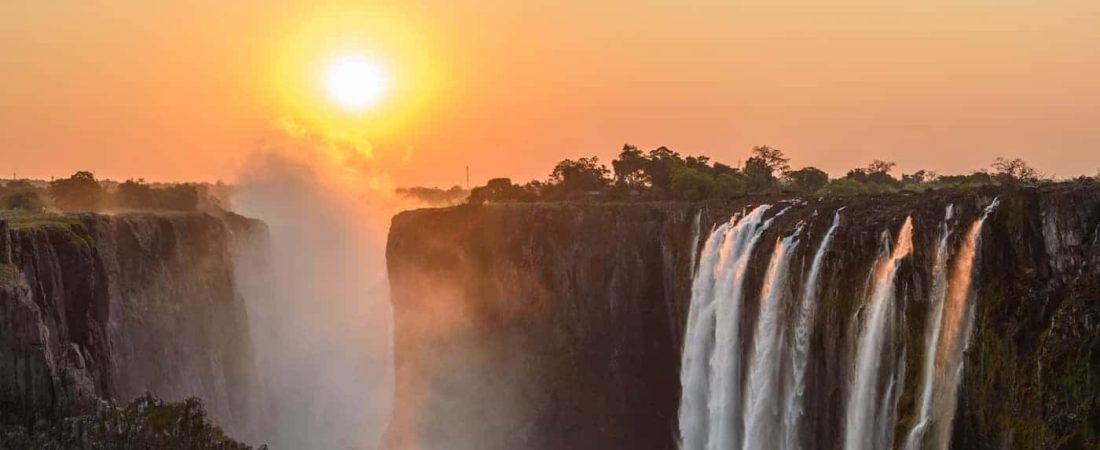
[189, 90]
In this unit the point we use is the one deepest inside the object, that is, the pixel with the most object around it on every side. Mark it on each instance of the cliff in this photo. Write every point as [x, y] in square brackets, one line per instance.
[97, 307]
[551, 326]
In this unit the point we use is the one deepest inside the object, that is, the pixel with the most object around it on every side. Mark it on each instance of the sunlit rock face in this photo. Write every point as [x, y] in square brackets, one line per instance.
[110, 307]
[555, 326]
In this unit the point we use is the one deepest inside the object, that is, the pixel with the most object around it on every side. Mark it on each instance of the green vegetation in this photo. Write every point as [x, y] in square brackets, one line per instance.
[67, 226]
[82, 192]
[435, 196]
[42, 221]
[21, 195]
[138, 195]
[79, 192]
[663, 174]
[146, 423]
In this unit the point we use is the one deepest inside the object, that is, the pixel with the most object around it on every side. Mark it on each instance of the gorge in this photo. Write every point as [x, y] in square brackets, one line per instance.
[947, 319]
[951, 319]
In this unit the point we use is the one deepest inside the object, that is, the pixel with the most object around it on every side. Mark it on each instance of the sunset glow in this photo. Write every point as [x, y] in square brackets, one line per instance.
[834, 85]
[355, 82]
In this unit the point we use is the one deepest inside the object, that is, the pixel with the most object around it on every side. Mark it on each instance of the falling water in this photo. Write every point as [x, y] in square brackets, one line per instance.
[710, 367]
[932, 333]
[958, 318]
[696, 224]
[697, 345]
[864, 396]
[724, 400]
[796, 383]
[761, 412]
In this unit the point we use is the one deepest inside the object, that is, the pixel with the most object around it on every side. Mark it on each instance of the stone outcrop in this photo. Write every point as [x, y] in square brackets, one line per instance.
[550, 326]
[107, 308]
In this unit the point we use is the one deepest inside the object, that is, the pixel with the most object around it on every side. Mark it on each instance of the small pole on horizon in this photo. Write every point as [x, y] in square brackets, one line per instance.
[467, 178]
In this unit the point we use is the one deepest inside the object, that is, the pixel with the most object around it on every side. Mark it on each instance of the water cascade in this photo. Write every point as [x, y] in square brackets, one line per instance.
[958, 319]
[796, 380]
[762, 406]
[710, 367]
[932, 332]
[752, 388]
[860, 422]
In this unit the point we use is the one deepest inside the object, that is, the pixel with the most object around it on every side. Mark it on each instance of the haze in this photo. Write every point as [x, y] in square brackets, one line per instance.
[187, 91]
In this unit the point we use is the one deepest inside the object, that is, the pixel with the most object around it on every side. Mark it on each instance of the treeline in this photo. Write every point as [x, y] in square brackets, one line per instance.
[434, 196]
[83, 193]
[663, 174]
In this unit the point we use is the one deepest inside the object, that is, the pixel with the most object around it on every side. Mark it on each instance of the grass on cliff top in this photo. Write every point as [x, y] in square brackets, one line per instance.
[27, 221]
[71, 226]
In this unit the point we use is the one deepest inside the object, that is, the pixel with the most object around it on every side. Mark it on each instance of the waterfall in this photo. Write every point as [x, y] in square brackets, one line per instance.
[696, 223]
[761, 410]
[754, 396]
[958, 319]
[864, 396]
[932, 333]
[724, 400]
[697, 345]
[710, 370]
[796, 382]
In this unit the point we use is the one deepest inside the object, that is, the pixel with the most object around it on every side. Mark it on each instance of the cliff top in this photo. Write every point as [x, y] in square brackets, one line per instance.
[760, 198]
[19, 220]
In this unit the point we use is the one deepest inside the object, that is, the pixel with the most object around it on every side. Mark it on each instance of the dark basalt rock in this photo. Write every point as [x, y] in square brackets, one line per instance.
[552, 326]
[96, 307]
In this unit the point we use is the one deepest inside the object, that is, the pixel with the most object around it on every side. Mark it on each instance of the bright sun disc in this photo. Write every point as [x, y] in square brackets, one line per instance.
[355, 82]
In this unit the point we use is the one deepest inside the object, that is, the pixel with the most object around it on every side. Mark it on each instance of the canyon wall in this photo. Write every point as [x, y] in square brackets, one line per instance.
[97, 307]
[550, 326]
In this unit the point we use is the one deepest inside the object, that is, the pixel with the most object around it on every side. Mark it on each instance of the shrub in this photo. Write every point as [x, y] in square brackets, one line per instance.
[80, 192]
[807, 179]
[24, 201]
[691, 185]
[845, 186]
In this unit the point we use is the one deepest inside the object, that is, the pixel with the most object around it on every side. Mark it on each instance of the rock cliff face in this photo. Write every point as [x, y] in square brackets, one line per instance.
[556, 326]
[110, 307]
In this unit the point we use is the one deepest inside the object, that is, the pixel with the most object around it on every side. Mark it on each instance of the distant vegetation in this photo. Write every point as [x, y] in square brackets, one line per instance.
[663, 174]
[81, 192]
[435, 196]
[146, 423]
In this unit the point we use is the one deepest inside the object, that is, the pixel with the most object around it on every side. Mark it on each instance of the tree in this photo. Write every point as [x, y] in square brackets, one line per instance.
[133, 194]
[758, 175]
[880, 166]
[434, 196]
[661, 162]
[807, 179]
[80, 192]
[878, 172]
[720, 169]
[730, 184]
[631, 167]
[974, 179]
[845, 186]
[772, 158]
[1014, 171]
[497, 190]
[762, 168]
[179, 197]
[691, 184]
[581, 175]
[919, 177]
[24, 201]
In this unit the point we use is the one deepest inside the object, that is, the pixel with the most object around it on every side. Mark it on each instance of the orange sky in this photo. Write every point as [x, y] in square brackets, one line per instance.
[133, 88]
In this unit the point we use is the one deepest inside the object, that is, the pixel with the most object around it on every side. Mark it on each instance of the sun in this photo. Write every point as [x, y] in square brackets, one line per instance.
[355, 82]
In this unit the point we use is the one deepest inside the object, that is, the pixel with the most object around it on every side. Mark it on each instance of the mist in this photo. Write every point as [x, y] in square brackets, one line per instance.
[318, 302]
